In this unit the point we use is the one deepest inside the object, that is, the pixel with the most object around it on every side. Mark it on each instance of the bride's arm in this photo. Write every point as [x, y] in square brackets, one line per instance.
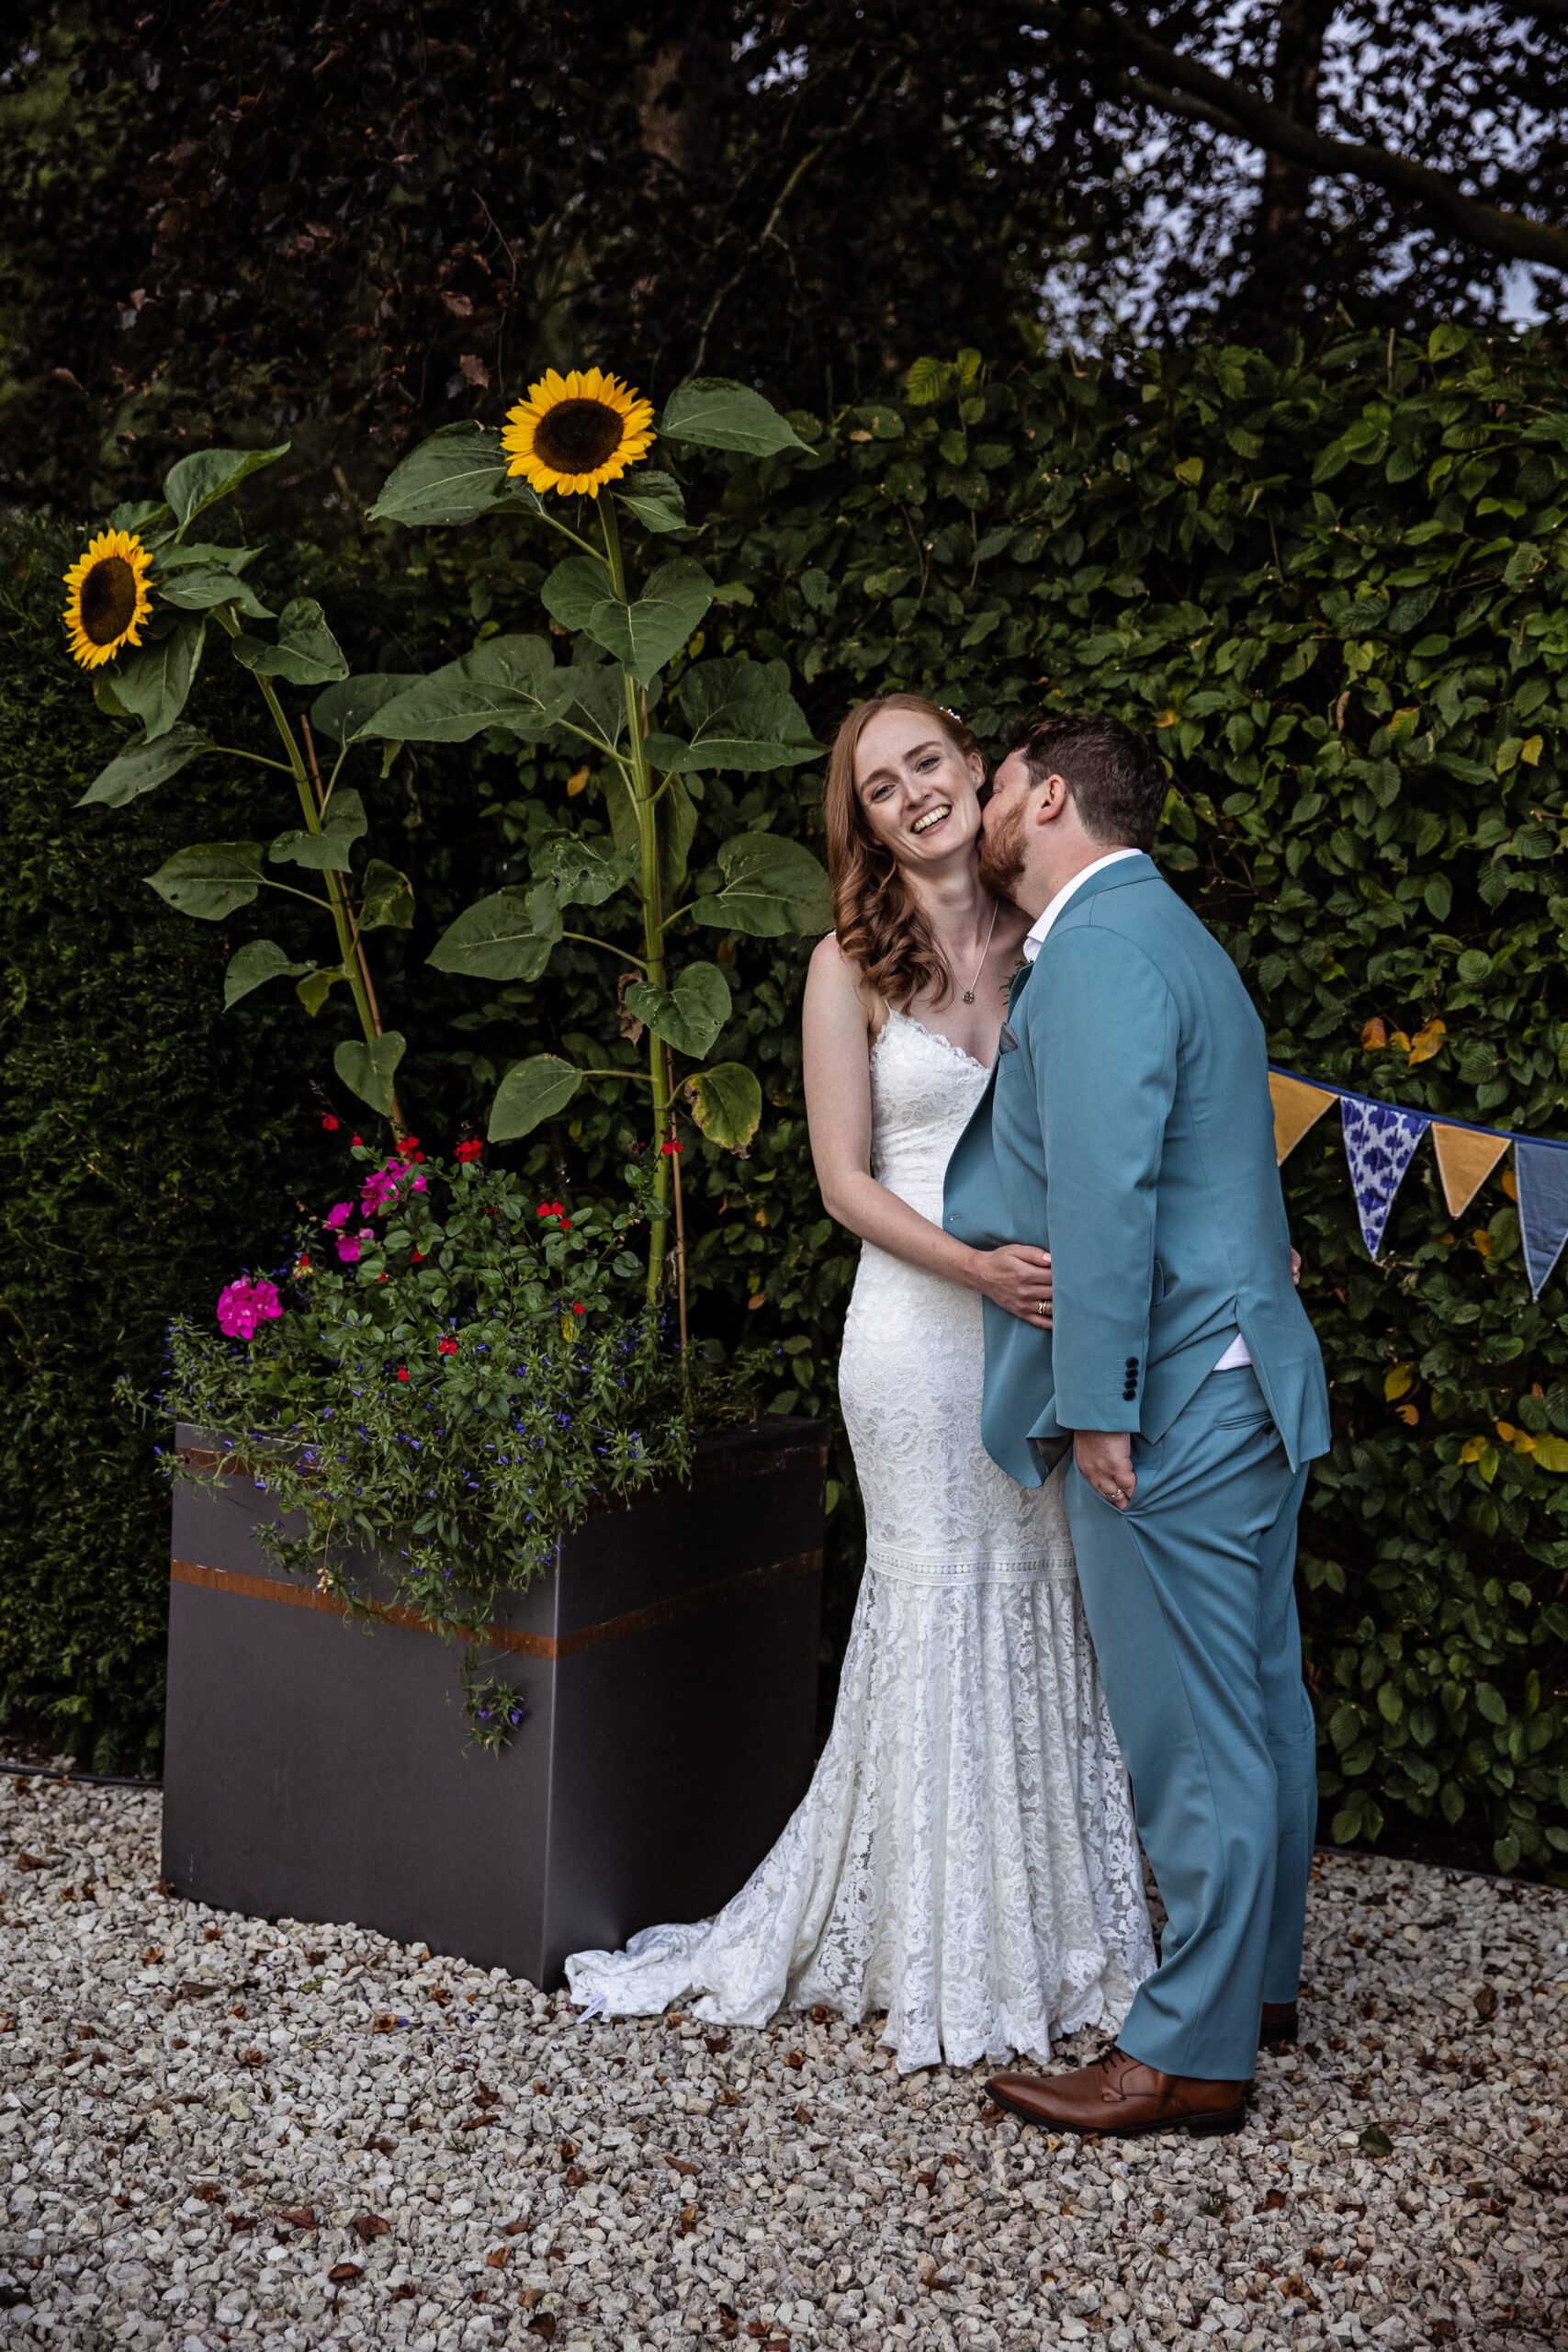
[838, 1111]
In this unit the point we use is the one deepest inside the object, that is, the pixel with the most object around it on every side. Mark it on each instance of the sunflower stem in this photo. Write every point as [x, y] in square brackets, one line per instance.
[351, 954]
[650, 892]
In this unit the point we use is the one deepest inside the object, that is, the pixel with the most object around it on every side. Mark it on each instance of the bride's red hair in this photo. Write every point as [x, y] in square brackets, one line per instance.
[875, 918]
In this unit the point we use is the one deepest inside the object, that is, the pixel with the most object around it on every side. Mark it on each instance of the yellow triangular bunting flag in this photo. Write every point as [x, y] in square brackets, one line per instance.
[1297, 1107]
[1465, 1159]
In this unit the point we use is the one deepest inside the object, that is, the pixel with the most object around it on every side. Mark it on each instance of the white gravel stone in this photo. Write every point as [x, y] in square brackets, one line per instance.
[204, 2117]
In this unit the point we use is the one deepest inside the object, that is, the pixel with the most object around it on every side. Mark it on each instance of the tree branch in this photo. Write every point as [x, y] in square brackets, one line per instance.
[1179, 85]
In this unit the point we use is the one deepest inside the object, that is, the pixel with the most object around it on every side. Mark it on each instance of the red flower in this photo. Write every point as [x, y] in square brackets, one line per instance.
[566, 1224]
[445, 1347]
[667, 1148]
[469, 1148]
[380, 1278]
[551, 1208]
[329, 1122]
[356, 1139]
[577, 1307]
[302, 1263]
[416, 1256]
[402, 1371]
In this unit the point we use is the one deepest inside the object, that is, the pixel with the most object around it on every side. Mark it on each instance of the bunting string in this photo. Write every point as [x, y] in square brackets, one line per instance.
[1381, 1140]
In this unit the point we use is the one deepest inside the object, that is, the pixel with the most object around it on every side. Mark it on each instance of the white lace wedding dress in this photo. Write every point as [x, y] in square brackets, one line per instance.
[965, 1858]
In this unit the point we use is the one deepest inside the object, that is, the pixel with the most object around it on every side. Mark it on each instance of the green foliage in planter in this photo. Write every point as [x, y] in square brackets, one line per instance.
[447, 1373]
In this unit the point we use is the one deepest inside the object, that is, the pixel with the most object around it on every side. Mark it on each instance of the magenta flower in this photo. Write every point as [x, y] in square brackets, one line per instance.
[347, 1248]
[243, 1305]
[340, 1215]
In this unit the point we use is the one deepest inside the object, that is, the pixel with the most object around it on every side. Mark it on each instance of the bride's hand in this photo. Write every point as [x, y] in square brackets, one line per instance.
[1018, 1277]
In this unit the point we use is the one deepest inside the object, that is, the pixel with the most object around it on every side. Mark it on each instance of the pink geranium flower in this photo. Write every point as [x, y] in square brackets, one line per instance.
[340, 1215]
[243, 1305]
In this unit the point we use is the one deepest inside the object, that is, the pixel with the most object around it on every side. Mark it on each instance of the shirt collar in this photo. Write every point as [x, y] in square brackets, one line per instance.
[1036, 938]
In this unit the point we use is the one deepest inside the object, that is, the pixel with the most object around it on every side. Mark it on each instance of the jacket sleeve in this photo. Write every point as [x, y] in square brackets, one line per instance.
[1104, 1032]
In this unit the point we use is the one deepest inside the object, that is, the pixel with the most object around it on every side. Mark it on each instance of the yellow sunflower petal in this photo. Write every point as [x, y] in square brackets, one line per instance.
[573, 433]
[107, 598]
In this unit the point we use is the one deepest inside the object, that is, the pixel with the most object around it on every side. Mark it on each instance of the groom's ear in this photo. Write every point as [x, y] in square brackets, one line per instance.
[1052, 800]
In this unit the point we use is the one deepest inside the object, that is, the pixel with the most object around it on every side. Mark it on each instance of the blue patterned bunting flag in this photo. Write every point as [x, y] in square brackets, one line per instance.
[1540, 1171]
[1379, 1141]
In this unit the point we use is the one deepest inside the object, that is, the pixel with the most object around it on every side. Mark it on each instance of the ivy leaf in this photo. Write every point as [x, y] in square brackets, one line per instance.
[531, 1091]
[507, 937]
[386, 898]
[332, 849]
[369, 1071]
[254, 965]
[712, 413]
[458, 473]
[306, 653]
[771, 887]
[154, 682]
[727, 1103]
[641, 634]
[508, 682]
[199, 481]
[583, 873]
[688, 1016]
[209, 879]
[143, 768]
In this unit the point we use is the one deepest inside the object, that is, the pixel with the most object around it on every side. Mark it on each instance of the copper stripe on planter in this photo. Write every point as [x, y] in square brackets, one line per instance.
[502, 1637]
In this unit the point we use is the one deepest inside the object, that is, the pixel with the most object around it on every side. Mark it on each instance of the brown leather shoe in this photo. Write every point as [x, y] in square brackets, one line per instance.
[1121, 2095]
[1281, 2023]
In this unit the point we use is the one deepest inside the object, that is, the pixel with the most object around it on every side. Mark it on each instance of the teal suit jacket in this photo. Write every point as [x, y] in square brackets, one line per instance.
[1127, 1129]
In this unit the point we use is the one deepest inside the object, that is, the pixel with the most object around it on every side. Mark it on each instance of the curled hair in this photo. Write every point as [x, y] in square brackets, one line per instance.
[877, 919]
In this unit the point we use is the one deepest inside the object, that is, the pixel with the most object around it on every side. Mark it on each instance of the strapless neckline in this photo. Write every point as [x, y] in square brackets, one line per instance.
[935, 1035]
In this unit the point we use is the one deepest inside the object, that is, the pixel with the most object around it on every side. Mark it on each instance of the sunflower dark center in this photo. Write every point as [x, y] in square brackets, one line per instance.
[108, 600]
[577, 437]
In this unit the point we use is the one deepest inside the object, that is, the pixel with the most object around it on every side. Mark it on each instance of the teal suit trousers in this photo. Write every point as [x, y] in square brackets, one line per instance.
[1190, 1598]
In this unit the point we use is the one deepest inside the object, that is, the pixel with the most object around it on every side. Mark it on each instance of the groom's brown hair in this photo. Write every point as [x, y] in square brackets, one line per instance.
[1114, 776]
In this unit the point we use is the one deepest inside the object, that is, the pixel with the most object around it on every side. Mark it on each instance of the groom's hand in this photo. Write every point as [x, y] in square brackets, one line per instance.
[1105, 1459]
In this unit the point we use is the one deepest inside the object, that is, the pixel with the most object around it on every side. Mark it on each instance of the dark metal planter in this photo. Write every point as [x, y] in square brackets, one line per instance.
[316, 1768]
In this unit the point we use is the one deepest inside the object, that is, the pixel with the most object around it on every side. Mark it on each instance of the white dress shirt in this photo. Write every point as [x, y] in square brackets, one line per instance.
[1238, 1352]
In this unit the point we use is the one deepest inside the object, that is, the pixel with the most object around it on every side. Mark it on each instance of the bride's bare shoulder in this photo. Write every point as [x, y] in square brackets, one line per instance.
[836, 988]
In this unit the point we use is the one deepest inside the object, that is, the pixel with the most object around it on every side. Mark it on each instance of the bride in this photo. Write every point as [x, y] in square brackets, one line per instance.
[965, 1858]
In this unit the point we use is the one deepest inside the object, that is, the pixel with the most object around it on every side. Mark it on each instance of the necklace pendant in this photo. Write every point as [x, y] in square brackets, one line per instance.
[968, 995]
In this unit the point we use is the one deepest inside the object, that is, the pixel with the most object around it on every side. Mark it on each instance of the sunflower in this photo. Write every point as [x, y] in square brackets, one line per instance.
[107, 598]
[575, 433]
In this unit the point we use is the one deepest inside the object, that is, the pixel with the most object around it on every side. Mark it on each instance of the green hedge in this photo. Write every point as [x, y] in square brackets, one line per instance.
[1335, 589]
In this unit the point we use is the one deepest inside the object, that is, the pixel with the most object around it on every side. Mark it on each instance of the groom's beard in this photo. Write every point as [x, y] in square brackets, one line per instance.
[1001, 852]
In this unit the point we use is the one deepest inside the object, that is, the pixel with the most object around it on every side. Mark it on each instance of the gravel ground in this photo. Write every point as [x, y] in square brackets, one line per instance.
[219, 2131]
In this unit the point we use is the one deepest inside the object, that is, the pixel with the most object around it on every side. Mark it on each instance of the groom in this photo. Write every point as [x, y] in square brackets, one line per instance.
[1127, 1128]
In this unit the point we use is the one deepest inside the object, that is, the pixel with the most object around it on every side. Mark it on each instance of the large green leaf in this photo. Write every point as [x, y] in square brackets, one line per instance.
[771, 887]
[331, 850]
[144, 767]
[530, 1091]
[688, 1016]
[306, 654]
[141, 515]
[369, 1071]
[727, 1103]
[715, 414]
[341, 711]
[385, 899]
[154, 682]
[210, 879]
[583, 873]
[458, 473]
[208, 475]
[740, 717]
[655, 499]
[254, 965]
[507, 937]
[198, 586]
[641, 634]
[185, 554]
[596, 699]
[509, 682]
